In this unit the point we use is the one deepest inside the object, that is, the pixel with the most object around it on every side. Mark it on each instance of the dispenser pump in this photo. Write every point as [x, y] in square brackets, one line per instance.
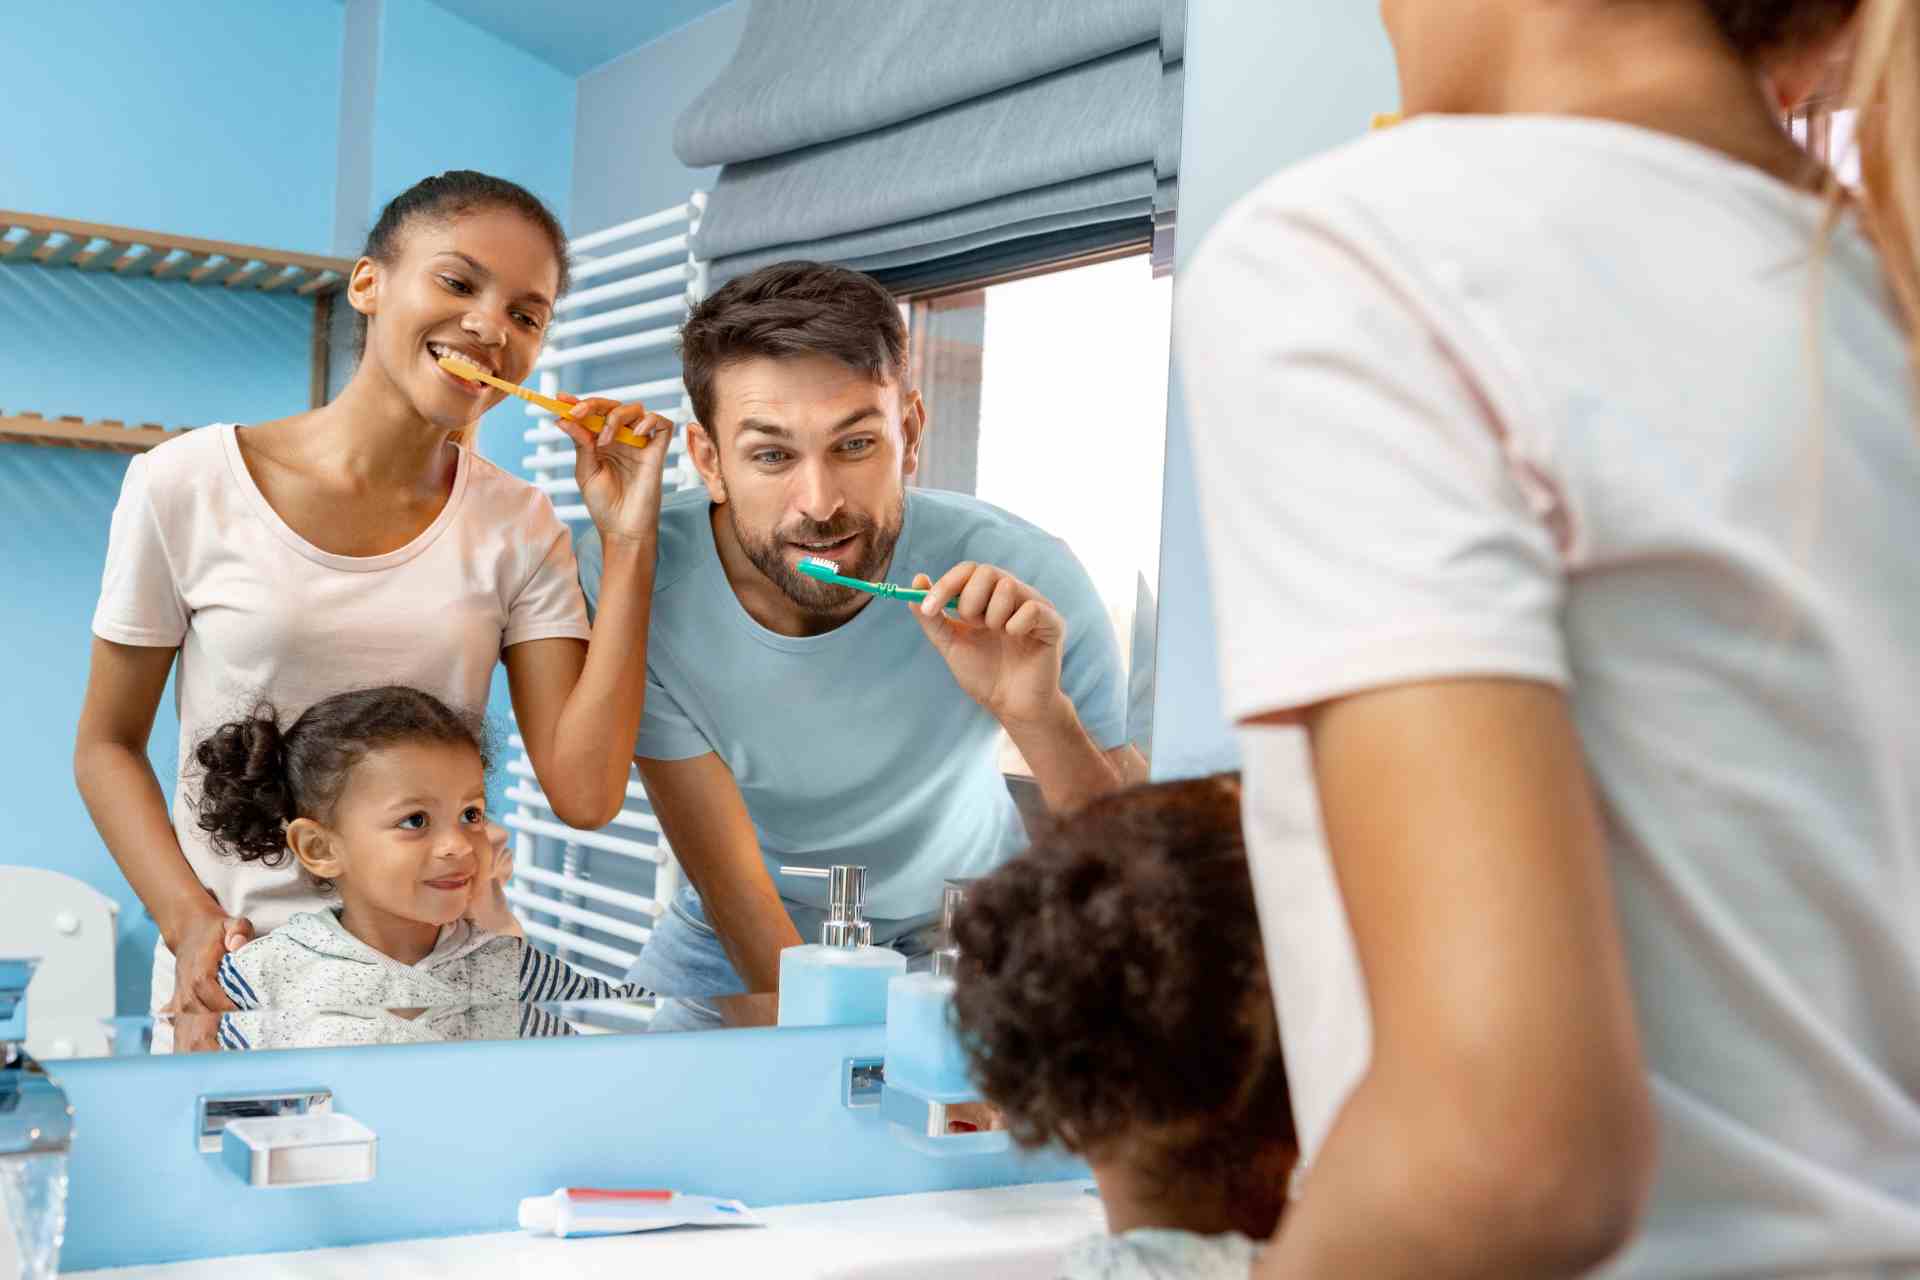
[947, 959]
[846, 924]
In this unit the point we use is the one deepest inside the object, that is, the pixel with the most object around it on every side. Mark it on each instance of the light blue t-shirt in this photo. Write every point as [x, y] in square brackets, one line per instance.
[857, 746]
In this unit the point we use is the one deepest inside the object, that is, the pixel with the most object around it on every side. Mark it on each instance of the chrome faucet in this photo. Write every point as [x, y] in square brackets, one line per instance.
[35, 1117]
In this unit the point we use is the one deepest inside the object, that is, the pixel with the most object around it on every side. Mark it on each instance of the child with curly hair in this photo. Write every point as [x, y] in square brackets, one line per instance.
[379, 794]
[1112, 994]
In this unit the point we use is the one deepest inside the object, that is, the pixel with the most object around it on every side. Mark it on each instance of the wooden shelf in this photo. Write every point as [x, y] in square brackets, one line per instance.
[78, 433]
[30, 239]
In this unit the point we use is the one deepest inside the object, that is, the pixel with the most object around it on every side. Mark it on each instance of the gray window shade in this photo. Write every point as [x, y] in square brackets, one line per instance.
[891, 136]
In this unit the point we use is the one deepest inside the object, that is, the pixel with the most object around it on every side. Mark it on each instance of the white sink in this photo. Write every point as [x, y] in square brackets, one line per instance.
[1007, 1233]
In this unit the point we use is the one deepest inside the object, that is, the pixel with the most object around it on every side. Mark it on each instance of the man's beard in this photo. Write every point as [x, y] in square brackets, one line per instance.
[822, 599]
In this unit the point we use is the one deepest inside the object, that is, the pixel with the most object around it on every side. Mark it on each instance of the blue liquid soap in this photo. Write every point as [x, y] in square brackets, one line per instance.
[830, 986]
[924, 1055]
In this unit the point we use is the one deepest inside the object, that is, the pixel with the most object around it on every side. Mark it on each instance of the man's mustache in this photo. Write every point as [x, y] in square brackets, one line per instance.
[831, 531]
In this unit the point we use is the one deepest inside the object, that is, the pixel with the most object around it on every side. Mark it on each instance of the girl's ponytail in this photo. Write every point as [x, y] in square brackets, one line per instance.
[245, 799]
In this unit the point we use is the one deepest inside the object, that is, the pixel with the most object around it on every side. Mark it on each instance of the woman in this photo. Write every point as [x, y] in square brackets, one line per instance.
[1563, 484]
[360, 544]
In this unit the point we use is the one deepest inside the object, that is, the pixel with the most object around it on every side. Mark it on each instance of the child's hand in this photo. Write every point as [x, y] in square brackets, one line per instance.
[487, 906]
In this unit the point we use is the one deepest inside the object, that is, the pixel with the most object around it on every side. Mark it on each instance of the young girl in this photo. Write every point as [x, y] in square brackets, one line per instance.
[1563, 484]
[1113, 999]
[360, 543]
[381, 794]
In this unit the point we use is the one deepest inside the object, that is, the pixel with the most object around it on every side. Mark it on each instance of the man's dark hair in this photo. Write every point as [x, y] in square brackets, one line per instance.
[792, 309]
[1112, 990]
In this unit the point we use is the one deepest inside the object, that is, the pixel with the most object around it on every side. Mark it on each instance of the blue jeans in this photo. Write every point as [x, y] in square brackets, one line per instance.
[684, 962]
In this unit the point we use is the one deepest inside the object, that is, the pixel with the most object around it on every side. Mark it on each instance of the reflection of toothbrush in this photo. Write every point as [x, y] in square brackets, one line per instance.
[593, 422]
[827, 571]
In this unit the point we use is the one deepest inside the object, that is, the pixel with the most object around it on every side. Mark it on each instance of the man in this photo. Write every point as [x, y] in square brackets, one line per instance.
[792, 721]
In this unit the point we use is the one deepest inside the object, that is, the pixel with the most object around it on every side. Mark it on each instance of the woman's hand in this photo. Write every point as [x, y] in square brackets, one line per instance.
[196, 961]
[619, 482]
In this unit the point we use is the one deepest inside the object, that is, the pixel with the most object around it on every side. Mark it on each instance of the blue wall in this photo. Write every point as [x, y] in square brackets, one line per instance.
[213, 119]
[1316, 72]
[624, 164]
[452, 96]
[466, 1131]
[139, 351]
[237, 145]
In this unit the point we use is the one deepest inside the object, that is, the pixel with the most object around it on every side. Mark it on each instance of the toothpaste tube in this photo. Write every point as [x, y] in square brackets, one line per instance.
[593, 1211]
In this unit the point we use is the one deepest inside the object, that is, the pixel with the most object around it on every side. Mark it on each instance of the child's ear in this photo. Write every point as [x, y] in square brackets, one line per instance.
[315, 847]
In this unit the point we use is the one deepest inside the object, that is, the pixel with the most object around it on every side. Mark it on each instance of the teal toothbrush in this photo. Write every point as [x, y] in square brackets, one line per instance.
[827, 571]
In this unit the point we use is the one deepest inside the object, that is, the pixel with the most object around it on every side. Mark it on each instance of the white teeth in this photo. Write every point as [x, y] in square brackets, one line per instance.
[438, 349]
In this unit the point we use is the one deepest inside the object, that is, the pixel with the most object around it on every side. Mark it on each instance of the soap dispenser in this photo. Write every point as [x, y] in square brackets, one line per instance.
[842, 979]
[924, 1056]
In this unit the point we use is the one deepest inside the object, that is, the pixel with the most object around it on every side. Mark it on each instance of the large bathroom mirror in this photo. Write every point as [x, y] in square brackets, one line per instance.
[679, 147]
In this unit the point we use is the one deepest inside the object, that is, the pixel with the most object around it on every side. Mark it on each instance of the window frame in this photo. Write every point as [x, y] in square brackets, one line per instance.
[917, 306]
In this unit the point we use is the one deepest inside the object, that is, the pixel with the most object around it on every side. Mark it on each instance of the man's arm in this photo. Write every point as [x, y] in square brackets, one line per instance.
[1069, 767]
[704, 818]
[1004, 643]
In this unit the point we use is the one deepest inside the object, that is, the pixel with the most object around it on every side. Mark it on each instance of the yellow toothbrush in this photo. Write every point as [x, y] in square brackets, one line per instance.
[592, 422]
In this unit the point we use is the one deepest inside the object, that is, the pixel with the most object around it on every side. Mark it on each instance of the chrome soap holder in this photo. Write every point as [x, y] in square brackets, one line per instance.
[918, 1122]
[287, 1139]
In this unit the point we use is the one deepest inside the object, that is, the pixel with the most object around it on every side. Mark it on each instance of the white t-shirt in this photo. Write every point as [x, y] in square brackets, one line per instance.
[1534, 397]
[198, 560]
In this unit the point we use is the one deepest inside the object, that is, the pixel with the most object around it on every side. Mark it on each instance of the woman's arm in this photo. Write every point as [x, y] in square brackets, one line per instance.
[116, 780]
[578, 706]
[1504, 1126]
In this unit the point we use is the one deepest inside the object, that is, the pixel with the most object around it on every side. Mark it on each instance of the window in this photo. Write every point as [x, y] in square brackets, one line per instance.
[1828, 134]
[1047, 396]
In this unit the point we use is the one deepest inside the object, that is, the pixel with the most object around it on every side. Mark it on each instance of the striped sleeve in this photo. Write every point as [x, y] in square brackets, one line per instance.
[237, 988]
[544, 976]
[231, 1037]
[537, 1024]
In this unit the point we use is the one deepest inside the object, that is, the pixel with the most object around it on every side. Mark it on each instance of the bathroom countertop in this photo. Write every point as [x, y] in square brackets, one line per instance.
[1008, 1233]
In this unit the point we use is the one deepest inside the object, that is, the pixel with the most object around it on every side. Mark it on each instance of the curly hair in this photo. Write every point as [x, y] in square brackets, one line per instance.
[1756, 27]
[1112, 990]
[256, 778]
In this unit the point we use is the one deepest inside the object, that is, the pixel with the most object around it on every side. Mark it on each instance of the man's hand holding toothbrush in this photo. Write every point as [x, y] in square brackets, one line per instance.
[1004, 642]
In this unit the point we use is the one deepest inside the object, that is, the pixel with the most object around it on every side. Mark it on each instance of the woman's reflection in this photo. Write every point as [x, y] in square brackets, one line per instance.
[356, 543]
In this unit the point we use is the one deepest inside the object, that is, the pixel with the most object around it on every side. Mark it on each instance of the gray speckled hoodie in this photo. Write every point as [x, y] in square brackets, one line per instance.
[310, 982]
